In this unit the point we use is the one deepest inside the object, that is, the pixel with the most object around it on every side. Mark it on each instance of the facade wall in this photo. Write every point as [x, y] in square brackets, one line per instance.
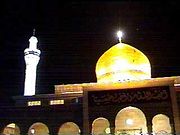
[96, 105]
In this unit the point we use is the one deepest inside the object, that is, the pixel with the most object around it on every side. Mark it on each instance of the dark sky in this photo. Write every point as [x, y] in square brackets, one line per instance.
[73, 35]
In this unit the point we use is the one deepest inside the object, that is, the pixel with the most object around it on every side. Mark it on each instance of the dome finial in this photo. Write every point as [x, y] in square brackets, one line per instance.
[119, 34]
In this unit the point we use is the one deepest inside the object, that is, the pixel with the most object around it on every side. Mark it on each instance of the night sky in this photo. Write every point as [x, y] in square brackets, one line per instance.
[73, 35]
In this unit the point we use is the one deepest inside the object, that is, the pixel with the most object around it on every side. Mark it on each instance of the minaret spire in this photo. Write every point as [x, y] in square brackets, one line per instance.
[32, 57]
[34, 32]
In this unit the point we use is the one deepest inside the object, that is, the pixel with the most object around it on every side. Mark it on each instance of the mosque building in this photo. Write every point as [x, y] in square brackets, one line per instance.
[125, 100]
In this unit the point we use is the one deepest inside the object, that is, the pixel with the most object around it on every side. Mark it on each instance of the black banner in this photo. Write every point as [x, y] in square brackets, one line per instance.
[134, 95]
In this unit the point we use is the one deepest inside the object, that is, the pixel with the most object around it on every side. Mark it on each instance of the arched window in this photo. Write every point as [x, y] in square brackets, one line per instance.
[38, 128]
[130, 120]
[11, 129]
[100, 126]
[69, 128]
[161, 124]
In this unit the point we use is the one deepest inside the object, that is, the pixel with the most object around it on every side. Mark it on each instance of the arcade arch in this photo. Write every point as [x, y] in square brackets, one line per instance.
[100, 126]
[11, 129]
[161, 124]
[38, 128]
[130, 120]
[69, 128]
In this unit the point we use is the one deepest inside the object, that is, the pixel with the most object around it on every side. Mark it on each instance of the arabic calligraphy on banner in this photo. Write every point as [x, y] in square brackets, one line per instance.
[108, 97]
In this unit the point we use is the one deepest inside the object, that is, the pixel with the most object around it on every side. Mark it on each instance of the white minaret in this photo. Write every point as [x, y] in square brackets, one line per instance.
[31, 56]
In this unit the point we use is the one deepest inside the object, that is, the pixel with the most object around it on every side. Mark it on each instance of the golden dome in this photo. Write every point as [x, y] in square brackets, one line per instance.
[122, 62]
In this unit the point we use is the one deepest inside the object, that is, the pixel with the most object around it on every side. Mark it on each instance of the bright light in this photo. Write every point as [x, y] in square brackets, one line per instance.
[129, 122]
[56, 102]
[107, 131]
[34, 103]
[32, 131]
[12, 125]
[119, 34]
